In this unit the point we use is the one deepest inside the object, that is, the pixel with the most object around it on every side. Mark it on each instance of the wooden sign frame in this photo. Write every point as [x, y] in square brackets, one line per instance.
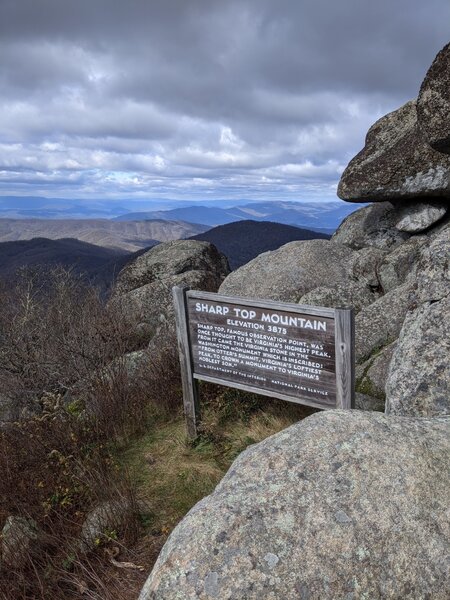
[344, 354]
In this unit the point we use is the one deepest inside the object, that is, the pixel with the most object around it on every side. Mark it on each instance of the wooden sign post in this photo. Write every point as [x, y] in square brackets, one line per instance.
[298, 353]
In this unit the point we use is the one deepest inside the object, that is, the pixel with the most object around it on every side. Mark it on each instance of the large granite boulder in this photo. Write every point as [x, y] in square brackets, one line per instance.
[369, 264]
[371, 376]
[396, 163]
[380, 323]
[400, 265]
[344, 504]
[290, 272]
[433, 104]
[349, 294]
[420, 216]
[144, 287]
[418, 382]
[361, 285]
[433, 271]
[169, 259]
[373, 225]
[127, 369]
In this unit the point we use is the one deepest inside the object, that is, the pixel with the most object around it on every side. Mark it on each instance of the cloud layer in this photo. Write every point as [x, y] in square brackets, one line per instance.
[194, 99]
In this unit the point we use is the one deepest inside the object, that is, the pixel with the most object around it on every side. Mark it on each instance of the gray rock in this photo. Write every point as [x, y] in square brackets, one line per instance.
[360, 287]
[400, 265]
[418, 382]
[380, 323]
[84, 394]
[144, 332]
[144, 287]
[372, 225]
[290, 272]
[154, 301]
[344, 504]
[433, 103]
[433, 271]
[169, 259]
[19, 538]
[365, 402]
[366, 264]
[396, 163]
[371, 376]
[344, 295]
[103, 522]
[420, 216]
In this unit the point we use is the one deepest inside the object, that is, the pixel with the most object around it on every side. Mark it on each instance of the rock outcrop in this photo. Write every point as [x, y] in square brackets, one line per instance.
[102, 521]
[386, 275]
[340, 505]
[350, 504]
[433, 104]
[420, 216]
[144, 286]
[419, 373]
[406, 153]
[396, 163]
[371, 226]
[285, 274]
[20, 538]
[300, 268]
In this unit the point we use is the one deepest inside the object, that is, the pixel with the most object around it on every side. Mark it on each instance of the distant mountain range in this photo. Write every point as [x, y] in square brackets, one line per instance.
[27, 207]
[244, 240]
[99, 265]
[119, 235]
[324, 217]
[320, 216]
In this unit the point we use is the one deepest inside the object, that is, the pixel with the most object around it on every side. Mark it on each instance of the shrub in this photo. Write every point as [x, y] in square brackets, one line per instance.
[57, 461]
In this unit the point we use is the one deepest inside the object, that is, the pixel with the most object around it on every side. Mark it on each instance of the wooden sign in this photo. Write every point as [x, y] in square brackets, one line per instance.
[303, 354]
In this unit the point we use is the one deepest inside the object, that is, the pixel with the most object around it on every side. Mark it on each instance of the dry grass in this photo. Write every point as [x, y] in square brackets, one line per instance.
[172, 473]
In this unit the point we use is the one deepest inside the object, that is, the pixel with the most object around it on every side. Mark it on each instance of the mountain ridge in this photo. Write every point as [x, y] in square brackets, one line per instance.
[318, 216]
[242, 241]
[130, 236]
[96, 264]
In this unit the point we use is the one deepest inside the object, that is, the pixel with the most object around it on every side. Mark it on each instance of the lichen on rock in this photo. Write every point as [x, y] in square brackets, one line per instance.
[330, 508]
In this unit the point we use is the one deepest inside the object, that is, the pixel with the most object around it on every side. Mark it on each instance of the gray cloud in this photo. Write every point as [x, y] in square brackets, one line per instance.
[194, 99]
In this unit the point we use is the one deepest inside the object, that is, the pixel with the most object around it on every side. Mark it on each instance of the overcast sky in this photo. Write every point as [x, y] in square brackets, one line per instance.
[198, 99]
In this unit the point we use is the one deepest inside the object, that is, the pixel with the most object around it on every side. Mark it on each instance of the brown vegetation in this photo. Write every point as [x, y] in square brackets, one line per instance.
[57, 459]
[90, 433]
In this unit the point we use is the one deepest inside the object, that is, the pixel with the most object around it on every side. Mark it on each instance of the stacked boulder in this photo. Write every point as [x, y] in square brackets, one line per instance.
[350, 504]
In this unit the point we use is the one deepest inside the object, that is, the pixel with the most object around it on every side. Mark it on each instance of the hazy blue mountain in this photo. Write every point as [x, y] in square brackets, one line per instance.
[242, 241]
[207, 215]
[317, 216]
[25, 207]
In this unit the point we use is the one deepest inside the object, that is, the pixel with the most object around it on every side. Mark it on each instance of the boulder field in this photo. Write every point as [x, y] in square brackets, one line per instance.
[349, 504]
